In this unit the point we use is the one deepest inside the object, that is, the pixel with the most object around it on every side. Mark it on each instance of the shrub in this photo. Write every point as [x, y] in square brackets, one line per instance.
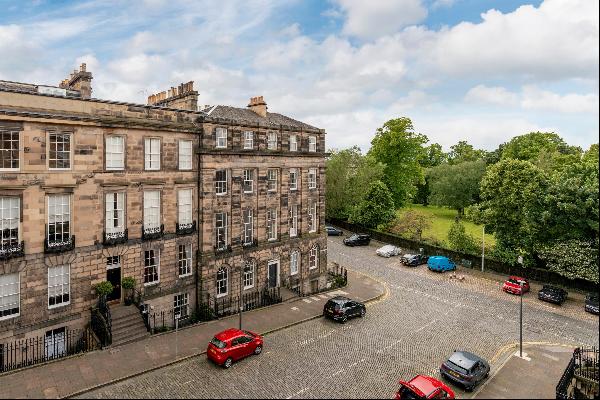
[128, 282]
[459, 240]
[104, 288]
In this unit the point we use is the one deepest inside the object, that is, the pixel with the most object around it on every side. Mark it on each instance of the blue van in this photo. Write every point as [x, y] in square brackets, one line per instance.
[440, 264]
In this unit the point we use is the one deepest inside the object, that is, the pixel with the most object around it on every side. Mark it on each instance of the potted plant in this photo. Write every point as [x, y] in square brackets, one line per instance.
[103, 289]
[128, 284]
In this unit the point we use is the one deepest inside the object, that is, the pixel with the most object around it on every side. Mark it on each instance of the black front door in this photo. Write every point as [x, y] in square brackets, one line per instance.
[273, 270]
[113, 275]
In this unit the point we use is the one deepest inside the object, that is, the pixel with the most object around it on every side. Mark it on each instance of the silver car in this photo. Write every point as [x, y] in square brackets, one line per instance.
[388, 251]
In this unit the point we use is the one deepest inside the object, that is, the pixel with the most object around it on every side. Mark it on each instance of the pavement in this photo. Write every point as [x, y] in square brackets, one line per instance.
[80, 374]
[534, 376]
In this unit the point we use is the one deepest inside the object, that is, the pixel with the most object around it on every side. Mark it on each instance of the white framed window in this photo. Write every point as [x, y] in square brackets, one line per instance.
[152, 154]
[115, 153]
[9, 150]
[294, 262]
[10, 296]
[221, 136]
[248, 279]
[59, 285]
[293, 143]
[312, 178]
[185, 154]
[184, 208]
[313, 259]
[115, 213]
[59, 151]
[181, 303]
[312, 216]
[293, 179]
[221, 230]
[221, 181]
[59, 218]
[55, 343]
[312, 144]
[248, 180]
[272, 180]
[184, 260]
[248, 220]
[248, 140]
[293, 220]
[272, 141]
[272, 224]
[151, 211]
[222, 284]
[10, 217]
[151, 267]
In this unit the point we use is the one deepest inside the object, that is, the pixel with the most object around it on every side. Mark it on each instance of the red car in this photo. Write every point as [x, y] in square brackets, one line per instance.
[513, 285]
[424, 387]
[232, 345]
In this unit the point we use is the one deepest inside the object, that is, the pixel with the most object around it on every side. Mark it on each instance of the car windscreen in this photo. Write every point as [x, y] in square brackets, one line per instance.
[516, 282]
[249, 333]
[218, 343]
[457, 368]
[407, 393]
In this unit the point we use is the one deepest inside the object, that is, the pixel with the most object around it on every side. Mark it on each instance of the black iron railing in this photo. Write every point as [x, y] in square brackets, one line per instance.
[230, 305]
[101, 322]
[163, 321]
[56, 246]
[186, 229]
[222, 249]
[581, 377]
[12, 250]
[114, 238]
[153, 233]
[35, 350]
[253, 243]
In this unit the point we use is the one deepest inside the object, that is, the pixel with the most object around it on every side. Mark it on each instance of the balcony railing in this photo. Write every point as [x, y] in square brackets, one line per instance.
[186, 229]
[253, 243]
[59, 246]
[12, 250]
[153, 233]
[222, 249]
[114, 238]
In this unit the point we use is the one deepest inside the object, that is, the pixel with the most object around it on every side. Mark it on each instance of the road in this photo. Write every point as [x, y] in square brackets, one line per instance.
[423, 319]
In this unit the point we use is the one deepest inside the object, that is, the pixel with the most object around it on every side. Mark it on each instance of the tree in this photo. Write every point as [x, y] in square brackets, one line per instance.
[348, 175]
[434, 156]
[572, 258]
[591, 155]
[463, 152]
[532, 146]
[512, 193]
[377, 207]
[455, 186]
[460, 240]
[400, 149]
[411, 224]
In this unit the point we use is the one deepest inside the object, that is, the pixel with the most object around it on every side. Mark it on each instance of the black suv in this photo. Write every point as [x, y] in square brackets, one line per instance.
[358, 239]
[466, 369]
[341, 308]
[414, 260]
[552, 294]
[591, 303]
[331, 231]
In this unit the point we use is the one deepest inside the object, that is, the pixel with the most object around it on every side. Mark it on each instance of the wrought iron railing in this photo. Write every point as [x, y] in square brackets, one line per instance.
[581, 378]
[186, 229]
[230, 305]
[253, 243]
[56, 246]
[114, 238]
[101, 322]
[153, 233]
[222, 249]
[12, 250]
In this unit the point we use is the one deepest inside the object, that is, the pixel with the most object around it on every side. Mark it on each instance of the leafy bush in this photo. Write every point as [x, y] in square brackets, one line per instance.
[104, 288]
[411, 225]
[128, 282]
[377, 208]
[460, 240]
[572, 259]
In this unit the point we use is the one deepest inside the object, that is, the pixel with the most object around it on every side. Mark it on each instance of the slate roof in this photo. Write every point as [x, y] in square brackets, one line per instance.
[250, 117]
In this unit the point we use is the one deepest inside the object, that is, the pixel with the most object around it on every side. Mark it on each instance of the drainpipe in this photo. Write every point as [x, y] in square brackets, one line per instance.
[199, 224]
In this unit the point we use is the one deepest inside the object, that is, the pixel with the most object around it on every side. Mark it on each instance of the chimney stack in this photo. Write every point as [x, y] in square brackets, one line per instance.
[258, 105]
[79, 80]
[183, 97]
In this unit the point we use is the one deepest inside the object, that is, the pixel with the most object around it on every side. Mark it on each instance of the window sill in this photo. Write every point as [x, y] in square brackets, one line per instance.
[10, 317]
[221, 194]
[185, 276]
[54, 307]
[248, 287]
[59, 169]
[10, 169]
[115, 170]
[222, 295]
[293, 273]
[151, 284]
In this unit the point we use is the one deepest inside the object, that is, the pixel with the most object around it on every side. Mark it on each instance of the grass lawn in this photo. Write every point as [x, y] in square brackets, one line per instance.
[442, 220]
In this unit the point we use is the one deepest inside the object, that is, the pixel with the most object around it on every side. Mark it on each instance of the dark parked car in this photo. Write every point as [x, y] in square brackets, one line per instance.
[331, 231]
[358, 239]
[552, 294]
[591, 303]
[341, 308]
[466, 369]
[414, 260]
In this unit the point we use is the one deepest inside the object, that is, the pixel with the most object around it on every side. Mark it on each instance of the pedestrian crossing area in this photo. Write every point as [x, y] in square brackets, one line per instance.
[320, 297]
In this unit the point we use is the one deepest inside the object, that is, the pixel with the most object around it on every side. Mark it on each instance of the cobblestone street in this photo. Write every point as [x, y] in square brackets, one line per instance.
[423, 319]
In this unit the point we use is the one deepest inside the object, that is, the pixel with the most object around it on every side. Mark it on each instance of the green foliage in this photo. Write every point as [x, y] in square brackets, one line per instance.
[455, 186]
[434, 156]
[348, 175]
[400, 149]
[534, 145]
[572, 259]
[128, 282]
[104, 288]
[460, 240]
[411, 224]
[377, 208]
[591, 155]
[464, 152]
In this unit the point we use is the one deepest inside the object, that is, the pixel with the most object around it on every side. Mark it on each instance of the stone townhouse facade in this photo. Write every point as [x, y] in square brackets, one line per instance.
[195, 205]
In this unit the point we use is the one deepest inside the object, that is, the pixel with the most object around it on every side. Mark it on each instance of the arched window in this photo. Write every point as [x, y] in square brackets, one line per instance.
[222, 281]
[249, 274]
[294, 262]
[313, 259]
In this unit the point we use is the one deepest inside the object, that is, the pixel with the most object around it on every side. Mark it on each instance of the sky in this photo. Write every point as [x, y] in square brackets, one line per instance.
[476, 70]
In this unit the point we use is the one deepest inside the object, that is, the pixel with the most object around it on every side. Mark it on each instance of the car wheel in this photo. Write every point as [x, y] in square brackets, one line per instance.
[228, 363]
[344, 319]
[258, 350]
[469, 388]
[362, 313]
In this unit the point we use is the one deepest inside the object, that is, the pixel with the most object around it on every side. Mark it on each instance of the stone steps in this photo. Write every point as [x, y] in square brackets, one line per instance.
[127, 325]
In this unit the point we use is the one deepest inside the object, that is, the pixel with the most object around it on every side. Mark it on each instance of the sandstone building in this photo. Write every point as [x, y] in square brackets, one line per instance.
[180, 199]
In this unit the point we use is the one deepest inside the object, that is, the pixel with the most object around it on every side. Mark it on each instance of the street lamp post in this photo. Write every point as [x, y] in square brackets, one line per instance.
[243, 269]
[520, 260]
[483, 248]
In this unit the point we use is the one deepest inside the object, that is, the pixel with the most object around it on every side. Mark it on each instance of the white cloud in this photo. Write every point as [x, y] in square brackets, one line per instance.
[371, 19]
[442, 4]
[492, 95]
